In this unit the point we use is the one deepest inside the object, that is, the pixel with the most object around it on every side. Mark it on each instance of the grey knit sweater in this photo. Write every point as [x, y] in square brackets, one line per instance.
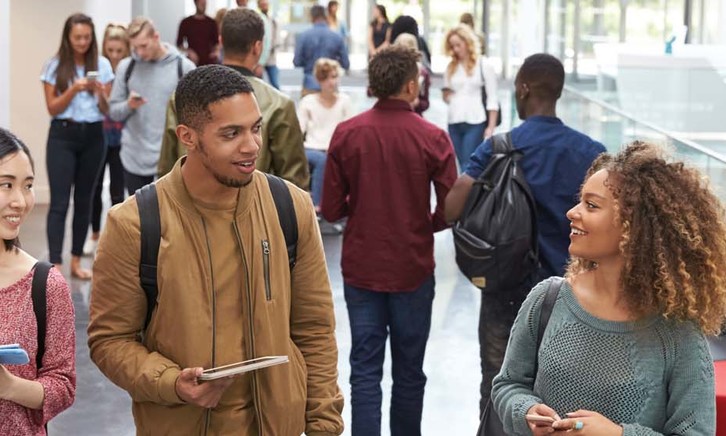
[652, 376]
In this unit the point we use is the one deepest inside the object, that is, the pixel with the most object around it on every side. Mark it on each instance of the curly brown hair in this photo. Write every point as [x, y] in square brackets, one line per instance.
[390, 69]
[674, 237]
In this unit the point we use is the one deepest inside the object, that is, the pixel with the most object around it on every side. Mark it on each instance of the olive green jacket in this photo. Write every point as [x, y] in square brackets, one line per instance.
[282, 152]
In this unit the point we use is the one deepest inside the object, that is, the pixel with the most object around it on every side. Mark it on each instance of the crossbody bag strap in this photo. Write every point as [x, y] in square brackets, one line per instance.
[546, 310]
[38, 293]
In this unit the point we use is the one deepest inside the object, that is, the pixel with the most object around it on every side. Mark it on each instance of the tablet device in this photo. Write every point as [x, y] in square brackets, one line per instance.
[12, 354]
[241, 367]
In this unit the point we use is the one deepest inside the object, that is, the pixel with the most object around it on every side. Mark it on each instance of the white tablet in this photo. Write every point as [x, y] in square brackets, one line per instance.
[242, 367]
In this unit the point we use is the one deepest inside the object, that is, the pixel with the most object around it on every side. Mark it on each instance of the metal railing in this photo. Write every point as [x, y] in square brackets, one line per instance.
[614, 128]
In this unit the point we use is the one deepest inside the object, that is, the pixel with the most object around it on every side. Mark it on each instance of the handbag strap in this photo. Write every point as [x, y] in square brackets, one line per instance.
[544, 316]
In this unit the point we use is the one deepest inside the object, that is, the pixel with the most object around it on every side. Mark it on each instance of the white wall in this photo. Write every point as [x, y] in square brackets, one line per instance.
[4, 63]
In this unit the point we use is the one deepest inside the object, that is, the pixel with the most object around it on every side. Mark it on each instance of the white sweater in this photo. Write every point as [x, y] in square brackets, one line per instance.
[319, 122]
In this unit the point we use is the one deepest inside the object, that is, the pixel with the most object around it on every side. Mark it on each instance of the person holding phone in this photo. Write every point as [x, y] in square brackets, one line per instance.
[76, 82]
[30, 394]
[115, 47]
[468, 121]
[624, 352]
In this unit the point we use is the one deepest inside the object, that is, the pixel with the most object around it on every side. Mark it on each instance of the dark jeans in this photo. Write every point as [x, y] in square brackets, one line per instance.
[134, 182]
[73, 160]
[407, 316]
[116, 186]
[496, 317]
[466, 138]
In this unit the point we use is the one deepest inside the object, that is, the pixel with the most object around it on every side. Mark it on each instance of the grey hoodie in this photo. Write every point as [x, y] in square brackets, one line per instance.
[156, 82]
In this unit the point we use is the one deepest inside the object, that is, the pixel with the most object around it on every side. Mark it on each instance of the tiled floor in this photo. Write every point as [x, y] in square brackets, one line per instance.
[452, 362]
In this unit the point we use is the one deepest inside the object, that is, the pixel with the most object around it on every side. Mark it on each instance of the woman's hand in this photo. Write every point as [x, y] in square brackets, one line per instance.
[489, 131]
[588, 423]
[6, 383]
[82, 84]
[542, 428]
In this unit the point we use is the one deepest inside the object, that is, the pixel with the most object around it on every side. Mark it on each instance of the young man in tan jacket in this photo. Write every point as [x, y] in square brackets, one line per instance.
[226, 292]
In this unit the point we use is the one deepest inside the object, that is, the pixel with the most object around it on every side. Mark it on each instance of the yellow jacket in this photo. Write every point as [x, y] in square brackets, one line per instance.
[297, 321]
[282, 152]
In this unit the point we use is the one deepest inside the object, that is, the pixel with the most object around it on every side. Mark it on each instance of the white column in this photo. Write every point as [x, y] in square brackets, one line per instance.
[4, 63]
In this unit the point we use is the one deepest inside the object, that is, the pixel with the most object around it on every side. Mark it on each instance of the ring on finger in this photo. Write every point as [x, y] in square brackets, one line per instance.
[578, 425]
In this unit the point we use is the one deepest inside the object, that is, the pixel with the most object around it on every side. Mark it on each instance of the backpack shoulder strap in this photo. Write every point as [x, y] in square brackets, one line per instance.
[150, 223]
[38, 294]
[547, 305]
[129, 70]
[179, 69]
[502, 143]
[286, 214]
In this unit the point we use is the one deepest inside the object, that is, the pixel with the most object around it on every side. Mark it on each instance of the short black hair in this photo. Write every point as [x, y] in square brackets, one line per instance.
[241, 28]
[390, 69]
[203, 86]
[544, 74]
[404, 24]
[317, 12]
[10, 145]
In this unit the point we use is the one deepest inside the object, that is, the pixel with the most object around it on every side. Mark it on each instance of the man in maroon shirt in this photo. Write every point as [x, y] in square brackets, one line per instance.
[379, 172]
[201, 35]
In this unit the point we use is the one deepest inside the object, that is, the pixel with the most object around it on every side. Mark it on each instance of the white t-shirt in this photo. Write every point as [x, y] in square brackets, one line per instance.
[319, 122]
[465, 103]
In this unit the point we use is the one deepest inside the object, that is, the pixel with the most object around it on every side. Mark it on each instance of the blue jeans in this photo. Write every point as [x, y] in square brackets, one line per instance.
[466, 138]
[407, 316]
[316, 161]
[273, 74]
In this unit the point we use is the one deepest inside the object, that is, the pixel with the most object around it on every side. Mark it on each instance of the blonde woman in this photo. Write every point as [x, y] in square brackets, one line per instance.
[469, 122]
[319, 115]
[424, 76]
[115, 47]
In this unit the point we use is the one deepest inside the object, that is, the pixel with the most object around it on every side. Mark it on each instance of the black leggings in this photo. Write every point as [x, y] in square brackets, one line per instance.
[135, 182]
[116, 186]
[73, 160]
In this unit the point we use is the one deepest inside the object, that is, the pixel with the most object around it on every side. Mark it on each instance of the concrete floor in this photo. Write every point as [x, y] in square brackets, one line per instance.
[452, 359]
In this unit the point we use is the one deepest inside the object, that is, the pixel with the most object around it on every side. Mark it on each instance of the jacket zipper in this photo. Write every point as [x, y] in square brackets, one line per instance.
[255, 389]
[208, 414]
[266, 266]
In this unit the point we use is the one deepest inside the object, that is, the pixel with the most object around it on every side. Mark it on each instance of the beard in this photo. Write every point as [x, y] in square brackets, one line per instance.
[229, 182]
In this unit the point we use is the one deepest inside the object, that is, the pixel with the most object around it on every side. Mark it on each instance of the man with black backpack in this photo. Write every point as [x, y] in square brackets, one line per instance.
[553, 159]
[213, 264]
[143, 84]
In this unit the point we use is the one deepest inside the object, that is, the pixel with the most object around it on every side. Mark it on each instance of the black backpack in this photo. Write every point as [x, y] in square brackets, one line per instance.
[496, 235]
[148, 204]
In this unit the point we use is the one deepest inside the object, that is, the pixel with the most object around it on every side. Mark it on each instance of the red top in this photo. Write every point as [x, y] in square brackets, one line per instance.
[379, 172]
[58, 372]
[201, 34]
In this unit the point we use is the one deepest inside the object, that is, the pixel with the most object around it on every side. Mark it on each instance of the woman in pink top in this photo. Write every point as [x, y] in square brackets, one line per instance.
[30, 395]
[319, 115]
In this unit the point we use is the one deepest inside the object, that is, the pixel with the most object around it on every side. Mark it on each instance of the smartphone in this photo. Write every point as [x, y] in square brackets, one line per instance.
[91, 76]
[135, 96]
[540, 419]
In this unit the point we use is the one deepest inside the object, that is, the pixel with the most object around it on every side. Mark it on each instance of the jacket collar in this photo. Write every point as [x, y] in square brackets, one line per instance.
[173, 184]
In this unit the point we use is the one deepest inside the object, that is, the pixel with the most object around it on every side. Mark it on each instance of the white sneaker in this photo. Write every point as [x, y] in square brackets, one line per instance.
[89, 248]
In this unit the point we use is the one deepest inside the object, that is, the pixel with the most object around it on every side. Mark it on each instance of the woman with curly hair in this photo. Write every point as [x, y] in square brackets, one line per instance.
[469, 121]
[624, 351]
